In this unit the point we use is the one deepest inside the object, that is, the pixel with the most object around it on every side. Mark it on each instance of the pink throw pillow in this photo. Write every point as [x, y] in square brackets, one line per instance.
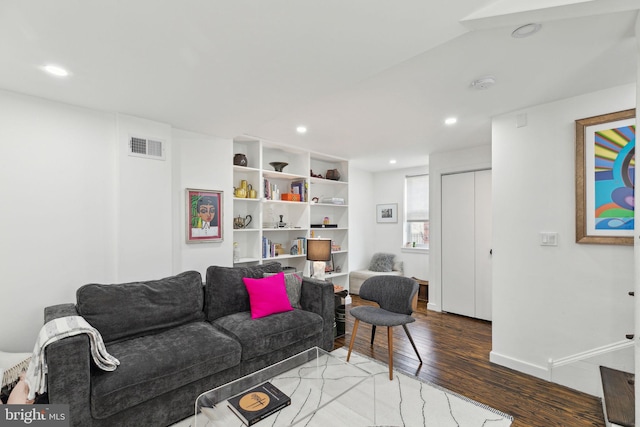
[267, 296]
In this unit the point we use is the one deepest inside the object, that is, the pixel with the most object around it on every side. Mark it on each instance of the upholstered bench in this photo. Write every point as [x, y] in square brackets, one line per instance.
[381, 265]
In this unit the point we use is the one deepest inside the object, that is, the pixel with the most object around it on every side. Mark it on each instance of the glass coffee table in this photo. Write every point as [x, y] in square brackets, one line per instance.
[322, 389]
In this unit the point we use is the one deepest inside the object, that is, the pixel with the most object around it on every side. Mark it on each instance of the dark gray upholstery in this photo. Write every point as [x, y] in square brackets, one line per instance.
[392, 293]
[156, 364]
[168, 353]
[395, 296]
[225, 292]
[261, 336]
[380, 317]
[130, 309]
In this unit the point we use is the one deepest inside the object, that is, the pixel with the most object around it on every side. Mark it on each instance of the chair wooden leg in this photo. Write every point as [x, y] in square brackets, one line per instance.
[373, 333]
[353, 337]
[406, 330]
[390, 338]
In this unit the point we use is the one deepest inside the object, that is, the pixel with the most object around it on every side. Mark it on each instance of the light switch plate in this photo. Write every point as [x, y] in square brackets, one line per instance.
[548, 238]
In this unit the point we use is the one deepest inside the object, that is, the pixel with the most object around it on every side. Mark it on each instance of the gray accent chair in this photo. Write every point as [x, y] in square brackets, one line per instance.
[397, 298]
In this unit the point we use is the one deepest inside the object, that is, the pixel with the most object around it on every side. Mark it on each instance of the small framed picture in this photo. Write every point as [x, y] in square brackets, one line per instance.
[387, 213]
[204, 215]
[328, 267]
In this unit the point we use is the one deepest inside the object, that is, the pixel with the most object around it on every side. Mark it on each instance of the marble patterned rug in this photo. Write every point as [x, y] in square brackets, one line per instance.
[409, 401]
[405, 401]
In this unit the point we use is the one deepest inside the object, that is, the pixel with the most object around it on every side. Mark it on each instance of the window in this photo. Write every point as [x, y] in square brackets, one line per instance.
[416, 217]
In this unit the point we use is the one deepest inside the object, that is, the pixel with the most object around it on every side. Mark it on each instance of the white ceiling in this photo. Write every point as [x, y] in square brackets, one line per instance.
[371, 79]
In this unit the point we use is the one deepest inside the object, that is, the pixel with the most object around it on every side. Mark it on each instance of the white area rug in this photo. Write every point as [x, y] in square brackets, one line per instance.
[409, 401]
[405, 401]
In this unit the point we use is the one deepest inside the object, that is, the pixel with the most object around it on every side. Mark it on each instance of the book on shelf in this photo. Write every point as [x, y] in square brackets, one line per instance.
[258, 403]
[271, 249]
[299, 246]
[300, 187]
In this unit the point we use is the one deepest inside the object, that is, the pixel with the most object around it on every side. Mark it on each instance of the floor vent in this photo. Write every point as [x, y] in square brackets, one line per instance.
[148, 148]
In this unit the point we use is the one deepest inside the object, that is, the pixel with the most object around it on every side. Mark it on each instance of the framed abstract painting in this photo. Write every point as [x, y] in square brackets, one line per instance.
[605, 176]
[204, 215]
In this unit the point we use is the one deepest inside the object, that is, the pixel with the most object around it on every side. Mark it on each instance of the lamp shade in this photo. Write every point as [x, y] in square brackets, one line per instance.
[319, 249]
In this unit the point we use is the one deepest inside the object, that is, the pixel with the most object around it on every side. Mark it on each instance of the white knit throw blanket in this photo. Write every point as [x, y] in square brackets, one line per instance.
[58, 329]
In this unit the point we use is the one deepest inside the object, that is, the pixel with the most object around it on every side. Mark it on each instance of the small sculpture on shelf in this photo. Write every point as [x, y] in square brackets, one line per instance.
[240, 159]
[314, 175]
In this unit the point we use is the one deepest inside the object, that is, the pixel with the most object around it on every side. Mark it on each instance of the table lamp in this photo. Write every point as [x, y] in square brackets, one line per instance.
[318, 251]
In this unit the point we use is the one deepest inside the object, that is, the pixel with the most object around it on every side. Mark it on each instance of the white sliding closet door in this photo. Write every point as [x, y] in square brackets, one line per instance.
[483, 223]
[466, 244]
[458, 244]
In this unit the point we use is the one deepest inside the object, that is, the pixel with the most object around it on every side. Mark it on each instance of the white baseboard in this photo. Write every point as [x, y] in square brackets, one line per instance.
[579, 371]
[433, 306]
[519, 365]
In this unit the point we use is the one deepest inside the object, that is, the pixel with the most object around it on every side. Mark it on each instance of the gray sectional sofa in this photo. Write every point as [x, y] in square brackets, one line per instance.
[176, 338]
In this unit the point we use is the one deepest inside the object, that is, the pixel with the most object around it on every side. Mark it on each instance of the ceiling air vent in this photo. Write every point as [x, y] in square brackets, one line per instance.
[148, 148]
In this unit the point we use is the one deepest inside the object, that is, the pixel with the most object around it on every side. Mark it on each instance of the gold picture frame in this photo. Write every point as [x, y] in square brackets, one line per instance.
[203, 215]
[605, 169]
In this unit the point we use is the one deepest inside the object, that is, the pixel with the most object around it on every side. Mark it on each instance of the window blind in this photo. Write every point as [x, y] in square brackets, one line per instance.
[417, 198]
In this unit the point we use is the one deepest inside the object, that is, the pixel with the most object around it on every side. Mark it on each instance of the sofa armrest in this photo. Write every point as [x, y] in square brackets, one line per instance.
[317, 296]
[69, 369]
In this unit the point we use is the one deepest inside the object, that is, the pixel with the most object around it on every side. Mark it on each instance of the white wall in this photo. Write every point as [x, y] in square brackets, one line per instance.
[144, 219]
[57, 221]
[389, 237]
[202, 162]
[361, 220]
[551, 302]
[77, 209]
[476, 158]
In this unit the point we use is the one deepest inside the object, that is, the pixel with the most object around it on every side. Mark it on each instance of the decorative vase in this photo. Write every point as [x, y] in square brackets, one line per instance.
[278, 166]
[333, 174]
[240, 159]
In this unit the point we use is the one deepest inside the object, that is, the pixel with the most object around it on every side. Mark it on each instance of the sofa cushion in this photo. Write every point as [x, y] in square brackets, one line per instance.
[267, 296]
[224, 291]
[131, 309]
[262, 336]
[155, 364]
[382, 262]
[293, 283]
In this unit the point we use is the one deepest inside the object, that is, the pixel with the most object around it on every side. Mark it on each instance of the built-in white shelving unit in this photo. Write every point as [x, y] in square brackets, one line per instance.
[278, 225]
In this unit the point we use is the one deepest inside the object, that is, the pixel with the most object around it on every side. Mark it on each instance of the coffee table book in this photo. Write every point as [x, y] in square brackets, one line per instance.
[258, 403]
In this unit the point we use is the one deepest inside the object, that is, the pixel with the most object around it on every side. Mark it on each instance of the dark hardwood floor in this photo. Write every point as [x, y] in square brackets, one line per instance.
[455, 351]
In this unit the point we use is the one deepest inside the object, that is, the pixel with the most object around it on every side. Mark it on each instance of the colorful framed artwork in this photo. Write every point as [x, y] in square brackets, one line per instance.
[204, 215]
[387, 213]
[605, 176]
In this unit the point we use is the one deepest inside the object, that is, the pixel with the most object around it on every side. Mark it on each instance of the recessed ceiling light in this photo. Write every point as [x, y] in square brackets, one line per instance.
[526, 30]
[450, 121]
[56, 71]
[301, 129]
[393, 161]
